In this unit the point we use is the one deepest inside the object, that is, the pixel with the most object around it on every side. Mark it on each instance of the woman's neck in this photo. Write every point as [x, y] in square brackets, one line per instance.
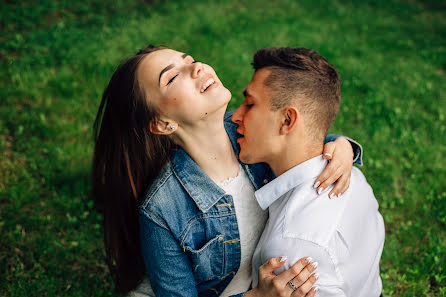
[209, 146]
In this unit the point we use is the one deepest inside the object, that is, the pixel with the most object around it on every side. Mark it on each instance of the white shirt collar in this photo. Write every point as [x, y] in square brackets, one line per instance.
[292, 178]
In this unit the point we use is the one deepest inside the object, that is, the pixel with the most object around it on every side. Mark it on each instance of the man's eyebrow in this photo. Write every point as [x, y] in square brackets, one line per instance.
[170, 67]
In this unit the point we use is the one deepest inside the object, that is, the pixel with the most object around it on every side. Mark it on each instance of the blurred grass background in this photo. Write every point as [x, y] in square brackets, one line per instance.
[56, 58]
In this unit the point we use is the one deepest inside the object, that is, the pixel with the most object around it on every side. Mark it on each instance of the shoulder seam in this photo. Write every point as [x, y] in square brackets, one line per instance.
[155, 219]
[156, 187]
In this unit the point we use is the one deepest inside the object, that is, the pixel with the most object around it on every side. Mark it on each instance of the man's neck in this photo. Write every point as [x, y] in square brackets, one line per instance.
[293, 155]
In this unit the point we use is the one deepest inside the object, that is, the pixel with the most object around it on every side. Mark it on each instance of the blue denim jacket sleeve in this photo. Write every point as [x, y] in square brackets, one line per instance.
[168, 267]
[357, 148]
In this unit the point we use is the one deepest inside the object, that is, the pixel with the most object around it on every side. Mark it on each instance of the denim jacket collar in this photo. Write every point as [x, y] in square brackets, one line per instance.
[198, 185]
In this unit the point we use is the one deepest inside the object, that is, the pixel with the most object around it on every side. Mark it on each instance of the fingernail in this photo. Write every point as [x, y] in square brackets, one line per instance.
[339, 195]
[283, 259]
[314, 264]
[316, 275]
[309, 259]
[328, 155]
[316, 289]
[316, 184]
[332, 195]
[319, 191]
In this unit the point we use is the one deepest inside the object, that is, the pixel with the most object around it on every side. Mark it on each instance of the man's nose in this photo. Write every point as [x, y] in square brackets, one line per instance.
[237, 115]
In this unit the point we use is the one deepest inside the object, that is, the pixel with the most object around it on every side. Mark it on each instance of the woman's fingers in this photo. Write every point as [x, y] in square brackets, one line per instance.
[341, 186]
[304, 276]
[328, 151]
[294, 271]
[329, 176]
[338, 169]
[266, 270]
[311, 293]
[306, 286]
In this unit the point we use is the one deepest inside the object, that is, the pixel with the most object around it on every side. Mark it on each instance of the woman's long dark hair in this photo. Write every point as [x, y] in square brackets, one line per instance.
[127, 159]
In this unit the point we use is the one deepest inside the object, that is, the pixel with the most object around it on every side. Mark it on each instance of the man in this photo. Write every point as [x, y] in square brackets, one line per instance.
[289, 106]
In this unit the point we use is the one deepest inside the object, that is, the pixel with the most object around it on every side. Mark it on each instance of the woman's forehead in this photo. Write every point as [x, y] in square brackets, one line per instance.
[152, 65]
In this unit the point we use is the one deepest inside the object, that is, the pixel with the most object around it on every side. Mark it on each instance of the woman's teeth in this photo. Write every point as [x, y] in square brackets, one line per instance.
[208, 83]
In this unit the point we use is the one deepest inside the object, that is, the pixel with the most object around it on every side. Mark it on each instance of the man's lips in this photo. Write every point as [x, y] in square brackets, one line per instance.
[241, 137]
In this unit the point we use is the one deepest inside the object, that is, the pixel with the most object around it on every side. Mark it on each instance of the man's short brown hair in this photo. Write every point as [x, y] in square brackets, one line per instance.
[303, 78]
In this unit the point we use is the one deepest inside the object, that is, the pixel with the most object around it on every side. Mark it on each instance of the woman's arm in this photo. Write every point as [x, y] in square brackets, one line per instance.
[168, 267]
[356, 146]
[342, 152]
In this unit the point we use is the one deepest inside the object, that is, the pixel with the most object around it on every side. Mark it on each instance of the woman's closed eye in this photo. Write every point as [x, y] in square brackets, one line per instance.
[171, 80]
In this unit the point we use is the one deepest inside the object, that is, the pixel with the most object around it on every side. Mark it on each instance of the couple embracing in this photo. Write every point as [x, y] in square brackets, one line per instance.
[198, 201]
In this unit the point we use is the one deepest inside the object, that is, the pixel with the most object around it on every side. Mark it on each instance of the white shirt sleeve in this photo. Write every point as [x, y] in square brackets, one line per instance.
[330, 279]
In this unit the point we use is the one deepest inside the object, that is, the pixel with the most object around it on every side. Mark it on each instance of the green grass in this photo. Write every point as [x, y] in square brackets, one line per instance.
[56, 58]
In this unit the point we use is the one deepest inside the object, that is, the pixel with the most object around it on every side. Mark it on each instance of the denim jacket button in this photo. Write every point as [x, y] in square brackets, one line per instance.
[220, 237]
[265, 181]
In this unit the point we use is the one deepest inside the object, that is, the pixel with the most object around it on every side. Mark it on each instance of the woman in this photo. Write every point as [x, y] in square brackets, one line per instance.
[163, 143]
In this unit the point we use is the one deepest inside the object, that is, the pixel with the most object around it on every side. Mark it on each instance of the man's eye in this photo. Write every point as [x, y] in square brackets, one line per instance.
[194, 62]
[249, 105]
[171, 80]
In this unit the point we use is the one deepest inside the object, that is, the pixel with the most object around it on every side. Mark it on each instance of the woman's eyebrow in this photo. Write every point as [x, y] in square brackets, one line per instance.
[170, 67]
[164, 70]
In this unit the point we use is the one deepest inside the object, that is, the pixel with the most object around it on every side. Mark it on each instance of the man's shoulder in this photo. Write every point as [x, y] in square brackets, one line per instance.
[317, 218]
[312, 217]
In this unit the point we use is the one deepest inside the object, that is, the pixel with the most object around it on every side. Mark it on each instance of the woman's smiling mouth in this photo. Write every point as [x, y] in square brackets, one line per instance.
[207, 84]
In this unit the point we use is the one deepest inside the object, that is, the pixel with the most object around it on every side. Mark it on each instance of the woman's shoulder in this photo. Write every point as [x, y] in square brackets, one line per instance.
[157, 189]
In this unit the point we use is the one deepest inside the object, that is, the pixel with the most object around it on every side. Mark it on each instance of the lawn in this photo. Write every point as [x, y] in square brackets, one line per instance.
[56, 58]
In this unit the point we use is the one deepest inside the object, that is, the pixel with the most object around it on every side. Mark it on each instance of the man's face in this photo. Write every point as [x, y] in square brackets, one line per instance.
[258, 124]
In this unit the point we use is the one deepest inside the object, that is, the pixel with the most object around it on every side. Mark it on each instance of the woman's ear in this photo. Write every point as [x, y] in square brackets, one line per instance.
[290, 117]
[158, 126]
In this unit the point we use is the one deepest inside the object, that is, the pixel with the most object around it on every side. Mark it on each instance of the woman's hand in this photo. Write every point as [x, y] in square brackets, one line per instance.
[340, 154]
[300, 274]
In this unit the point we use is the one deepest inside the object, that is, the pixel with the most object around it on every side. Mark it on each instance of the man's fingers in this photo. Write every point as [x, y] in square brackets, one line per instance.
[295, 271]
[268, 267]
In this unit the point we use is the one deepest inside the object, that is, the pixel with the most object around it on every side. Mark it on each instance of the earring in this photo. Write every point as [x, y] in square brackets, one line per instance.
[172, 127]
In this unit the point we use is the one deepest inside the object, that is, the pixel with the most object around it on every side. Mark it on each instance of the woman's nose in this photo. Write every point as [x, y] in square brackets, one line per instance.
[197, 67]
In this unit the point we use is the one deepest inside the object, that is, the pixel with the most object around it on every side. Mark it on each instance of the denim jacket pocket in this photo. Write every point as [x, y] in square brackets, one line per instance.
[207, 262]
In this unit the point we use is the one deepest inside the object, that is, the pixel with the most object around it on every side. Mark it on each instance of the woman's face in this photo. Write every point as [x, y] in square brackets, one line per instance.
[183, 90]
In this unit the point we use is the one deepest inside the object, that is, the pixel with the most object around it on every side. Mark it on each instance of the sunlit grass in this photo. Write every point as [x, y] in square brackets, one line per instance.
[56, 58]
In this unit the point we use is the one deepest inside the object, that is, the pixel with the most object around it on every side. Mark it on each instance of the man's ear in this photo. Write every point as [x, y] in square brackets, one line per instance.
[162, 127]
[290, 118]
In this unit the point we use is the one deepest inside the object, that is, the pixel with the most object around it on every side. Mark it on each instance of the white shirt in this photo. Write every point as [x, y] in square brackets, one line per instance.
[344, 235]
[251, 220]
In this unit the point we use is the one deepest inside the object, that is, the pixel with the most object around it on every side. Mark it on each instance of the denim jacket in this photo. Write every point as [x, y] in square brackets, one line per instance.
[188, 227]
